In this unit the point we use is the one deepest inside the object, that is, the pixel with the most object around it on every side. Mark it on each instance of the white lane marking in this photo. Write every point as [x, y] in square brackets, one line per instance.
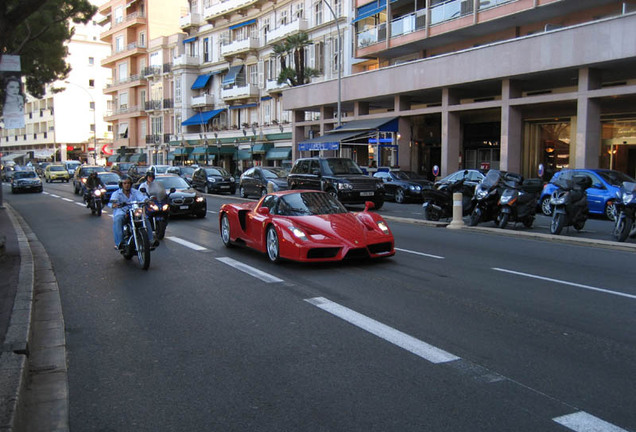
[396, 337]
[419, 253]
[213, 212]
[187, 243]
[584, 422]
[259, 274]
[616, 293]
[55, 196]
[67, 199]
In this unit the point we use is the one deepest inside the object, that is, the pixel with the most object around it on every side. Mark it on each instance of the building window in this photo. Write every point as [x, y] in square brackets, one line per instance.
[253, 70]
[93, 127]
[91, 105]
[177, 91]
[300, 11]
[91, 61]
[318, 12]
[119, 44]
[142, 39]
[123, 101]
[123, 130]
[206, 50]
[119, 14]
[91, 83]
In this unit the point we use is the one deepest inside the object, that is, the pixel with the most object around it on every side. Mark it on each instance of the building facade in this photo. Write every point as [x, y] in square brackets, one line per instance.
[68, 120]
[522, 85]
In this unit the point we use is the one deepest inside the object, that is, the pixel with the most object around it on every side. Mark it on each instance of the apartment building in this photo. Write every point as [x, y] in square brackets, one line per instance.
[523, 85]
[228, 103]
[68, 120]
[138, 78]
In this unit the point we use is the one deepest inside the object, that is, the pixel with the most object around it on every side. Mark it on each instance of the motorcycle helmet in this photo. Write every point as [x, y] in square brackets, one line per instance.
[150, 173]
[123, 179]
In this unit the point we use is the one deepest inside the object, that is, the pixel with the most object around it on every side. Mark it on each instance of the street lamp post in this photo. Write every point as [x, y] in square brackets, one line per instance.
[339, 62]
[94, 118]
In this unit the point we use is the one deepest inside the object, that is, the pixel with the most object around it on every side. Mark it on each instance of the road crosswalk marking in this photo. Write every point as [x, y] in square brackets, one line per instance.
[584, 422]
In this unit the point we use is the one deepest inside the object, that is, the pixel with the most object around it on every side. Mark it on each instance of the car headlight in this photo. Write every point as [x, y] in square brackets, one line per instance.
[200, 199]
[415, 188]
[383, 227]
[232, 180]
[298, 232]
[211, 179]
[345, 186]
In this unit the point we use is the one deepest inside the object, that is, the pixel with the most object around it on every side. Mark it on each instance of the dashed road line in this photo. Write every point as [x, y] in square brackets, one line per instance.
[584, 422]
[577, 285]
[252, 271]
[419, 253]
[396, 337]
[68, 199]
[186, 243]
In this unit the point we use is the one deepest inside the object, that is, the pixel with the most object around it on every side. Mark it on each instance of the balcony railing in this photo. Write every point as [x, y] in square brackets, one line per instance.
[372, 36]
[271, 85]
[126, 80]
[240, 46]
[152, 70]
[206, 99]
[158, 139]
[193, 19]
[167, 103]
[487, 4]
[186, 60]
[285, 30]
[449, 10]
[225, 7]
[240, 92]
[152, 105]
[409, 23]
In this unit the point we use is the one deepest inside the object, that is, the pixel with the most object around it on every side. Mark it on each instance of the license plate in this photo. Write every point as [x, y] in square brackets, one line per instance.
[183, 207]
[366, 193]
[225, 187]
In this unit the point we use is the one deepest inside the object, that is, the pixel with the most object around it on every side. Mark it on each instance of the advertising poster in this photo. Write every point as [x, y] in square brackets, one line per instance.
[12, 94]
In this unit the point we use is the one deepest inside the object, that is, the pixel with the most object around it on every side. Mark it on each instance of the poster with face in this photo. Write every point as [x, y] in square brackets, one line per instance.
[13, 99]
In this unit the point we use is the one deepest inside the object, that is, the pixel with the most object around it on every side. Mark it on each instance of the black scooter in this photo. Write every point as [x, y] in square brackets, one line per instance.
[486, 198]
[518, 201]
[438, 203]
[625, 212]
[569, 203]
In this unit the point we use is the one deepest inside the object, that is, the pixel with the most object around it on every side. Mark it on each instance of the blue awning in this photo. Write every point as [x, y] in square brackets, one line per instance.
[369, 13]
[201, 81]
[230, 78]
[252, 105]
[243, 24]
[188, 40]
[280, 153]
[201, 118]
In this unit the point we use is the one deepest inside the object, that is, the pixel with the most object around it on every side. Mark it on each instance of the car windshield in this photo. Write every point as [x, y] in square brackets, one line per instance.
[187, 170]
[338, 166]
[24, 174]
[109, 178]
[274, 173]
[161, 169]
[411, 175]
[173, 182]
[86, 171]
[56, 168]
[216, 172]
[308, 204]
[615, 178]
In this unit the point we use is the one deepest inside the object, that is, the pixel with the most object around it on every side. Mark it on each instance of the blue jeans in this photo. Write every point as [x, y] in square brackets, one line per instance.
[118, 228]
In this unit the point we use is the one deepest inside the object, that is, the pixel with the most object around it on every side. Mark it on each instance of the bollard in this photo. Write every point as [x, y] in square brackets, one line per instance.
[458, 220]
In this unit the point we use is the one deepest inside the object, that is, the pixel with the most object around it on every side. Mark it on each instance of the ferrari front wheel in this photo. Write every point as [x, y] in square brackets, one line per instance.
[225, 231]
[273, 248]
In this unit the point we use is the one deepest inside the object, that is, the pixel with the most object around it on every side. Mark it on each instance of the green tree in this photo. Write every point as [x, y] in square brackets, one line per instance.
[293, 47]
[37, 31]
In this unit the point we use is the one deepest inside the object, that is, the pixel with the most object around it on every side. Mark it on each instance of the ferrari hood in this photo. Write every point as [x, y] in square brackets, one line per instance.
[347, 227]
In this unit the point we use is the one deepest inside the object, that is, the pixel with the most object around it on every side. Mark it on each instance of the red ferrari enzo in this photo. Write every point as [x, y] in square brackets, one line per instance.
[305, 226]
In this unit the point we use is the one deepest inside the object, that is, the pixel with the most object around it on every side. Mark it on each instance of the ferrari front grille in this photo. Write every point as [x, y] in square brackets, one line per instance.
[379, 248]
[318, 253]
[357, 254]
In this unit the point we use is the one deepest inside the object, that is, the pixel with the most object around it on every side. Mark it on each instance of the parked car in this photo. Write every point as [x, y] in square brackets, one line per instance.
[600, 196]
[305, 226]
[471, 177]
[183, 171]
[111, 181]
[26, 181]
[213, 179]
[82, 173]
[401, 186]
[184, 200]
[71, 166]
[56, 173]
[340, 177]
[121, 168]
[255, 181]
[136, 172]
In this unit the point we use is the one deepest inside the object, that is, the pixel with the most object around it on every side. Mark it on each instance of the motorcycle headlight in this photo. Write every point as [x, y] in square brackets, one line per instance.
[98, 192]
[628, 196]
[200, 199]
[211, 179]
[165, 207]
[154, 207]
[298, 233]
[383, 227]
[345, 186]
[557, 200]
[139, 212]
[481, 193]
[83, 180]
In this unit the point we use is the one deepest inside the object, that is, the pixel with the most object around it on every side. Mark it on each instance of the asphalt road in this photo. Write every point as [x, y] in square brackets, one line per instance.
[460, 331]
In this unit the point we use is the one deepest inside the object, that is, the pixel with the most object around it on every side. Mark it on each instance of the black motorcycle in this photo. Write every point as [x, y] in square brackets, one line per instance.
[569, 203]
[438, 202]
[625, 212]
[158, 211]
[518, 201]
[95, 200]
[136, 239]
[486, 198]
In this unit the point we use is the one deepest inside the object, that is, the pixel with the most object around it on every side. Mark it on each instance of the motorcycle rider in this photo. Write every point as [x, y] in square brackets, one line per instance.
[152, 188]
[92, 182]
[120, 198]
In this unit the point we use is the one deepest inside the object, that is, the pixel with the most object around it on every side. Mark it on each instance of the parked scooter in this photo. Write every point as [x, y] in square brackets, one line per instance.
[158, 211]
[569, 203]
[486, 198]
[625, 212]
[438, 203]
[518, 201]
[136, 239]
[96, 198]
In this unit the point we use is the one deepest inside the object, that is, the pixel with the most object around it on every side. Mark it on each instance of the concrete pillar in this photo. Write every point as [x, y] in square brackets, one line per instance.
[401, 103]
[405, 144]
[511, 128]
[451, 134]
[360, 108]
[588, 124]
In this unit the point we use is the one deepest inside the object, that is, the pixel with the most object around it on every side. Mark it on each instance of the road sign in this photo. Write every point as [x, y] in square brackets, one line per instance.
[436, 170]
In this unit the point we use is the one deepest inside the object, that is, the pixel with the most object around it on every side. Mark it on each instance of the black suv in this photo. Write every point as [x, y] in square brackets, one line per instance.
[211, 179]
[81, 173]
[341, 177]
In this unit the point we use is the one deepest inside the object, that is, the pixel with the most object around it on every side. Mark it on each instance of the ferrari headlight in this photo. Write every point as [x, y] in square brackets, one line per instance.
[383, 226]
[345, 186]
[298, 232]
[200, 199]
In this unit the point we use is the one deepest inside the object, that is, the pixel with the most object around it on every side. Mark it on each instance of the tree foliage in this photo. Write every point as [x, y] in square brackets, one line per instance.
[37, 31]
[293, 49]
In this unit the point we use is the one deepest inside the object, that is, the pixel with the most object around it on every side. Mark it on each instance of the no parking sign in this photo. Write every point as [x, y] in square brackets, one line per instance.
[540, 170]
[435, 170]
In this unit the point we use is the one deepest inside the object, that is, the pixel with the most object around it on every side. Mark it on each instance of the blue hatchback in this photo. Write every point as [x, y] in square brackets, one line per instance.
[600, 196]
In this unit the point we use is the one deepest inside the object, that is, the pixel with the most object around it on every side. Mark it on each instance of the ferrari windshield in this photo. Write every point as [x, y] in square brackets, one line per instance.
[309, 204]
